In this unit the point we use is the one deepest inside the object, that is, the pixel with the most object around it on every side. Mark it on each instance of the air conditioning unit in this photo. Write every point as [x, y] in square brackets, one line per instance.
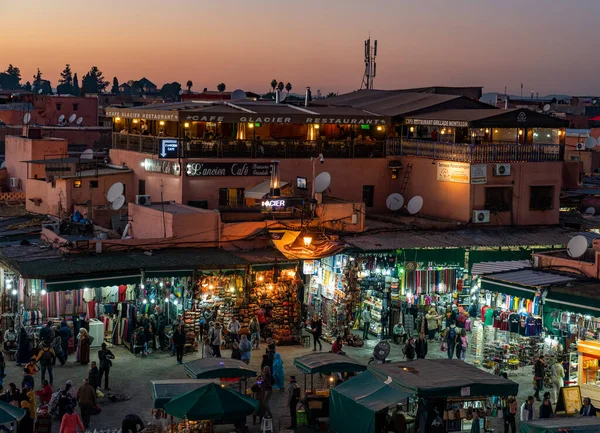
[143, 200]
[580, 146]
[481, 216]
[14, 182]
[54, 227]
[502, 170]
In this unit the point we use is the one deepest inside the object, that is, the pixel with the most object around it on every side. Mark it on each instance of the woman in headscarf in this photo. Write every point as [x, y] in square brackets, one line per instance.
[83, 348]
[24, 351]
[65, 398]
[278, 372]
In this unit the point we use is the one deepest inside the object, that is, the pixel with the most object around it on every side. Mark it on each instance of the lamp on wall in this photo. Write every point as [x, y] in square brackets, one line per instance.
[307, 241]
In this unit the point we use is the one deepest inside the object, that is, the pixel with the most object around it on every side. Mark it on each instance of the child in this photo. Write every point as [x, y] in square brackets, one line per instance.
[45, 394]
[208, 351]
[27, 379]
[464, 342]
[94, 376]
[31, 367]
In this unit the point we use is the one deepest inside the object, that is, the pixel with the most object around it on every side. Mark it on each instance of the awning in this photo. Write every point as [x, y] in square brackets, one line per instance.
[78, 282]
[259, 191]
[291, 244]
[523, 282]
[494, 267]
[164, 390]
[507, 288]
[327, 363]
[354, 404]
[169, 273]
[218, 368]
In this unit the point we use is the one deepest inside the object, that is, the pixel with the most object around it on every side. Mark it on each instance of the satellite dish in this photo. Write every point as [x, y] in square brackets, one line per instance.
[415, 204]
[26, 118]
[322, 182]
[577, 246]
[61, 118]
[88, 154]
[118, 202]
[590, 211]
[72, 118]
[115, 191]
[590, 143]
[282, 97]
[40, 91]
[3, 165]
[394, 201]
[546, 107]
[238, 94]
[180, 92]
[80, 121]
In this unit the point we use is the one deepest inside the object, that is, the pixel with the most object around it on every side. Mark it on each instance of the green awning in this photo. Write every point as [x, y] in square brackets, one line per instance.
[572, 302]
[165, 390]
[77, 282]
[169, 273]
[217, 368]
[354, 404]
[446, 257]
[326, 363]
[507, 288]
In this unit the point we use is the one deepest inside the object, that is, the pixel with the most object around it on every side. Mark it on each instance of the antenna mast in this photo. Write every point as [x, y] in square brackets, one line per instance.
[370, 64]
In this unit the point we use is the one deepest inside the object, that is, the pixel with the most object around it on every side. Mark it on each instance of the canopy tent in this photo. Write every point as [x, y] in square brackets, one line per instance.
[218, 368]
[10, 413]
[291, 244]
[327, 363]
[211, 402]
[444, 378]
[165, 390]
[354, 404]
[586, 424]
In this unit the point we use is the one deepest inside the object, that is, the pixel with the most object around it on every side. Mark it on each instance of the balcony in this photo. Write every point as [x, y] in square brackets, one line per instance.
[478, 153]
[228, 148]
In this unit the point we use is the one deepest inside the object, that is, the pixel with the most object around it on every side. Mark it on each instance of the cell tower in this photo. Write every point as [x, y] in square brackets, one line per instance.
[370, 64]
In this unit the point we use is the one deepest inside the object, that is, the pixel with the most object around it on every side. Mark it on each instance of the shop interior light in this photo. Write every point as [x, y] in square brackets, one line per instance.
[211, 287]
[14, 292]
[261, 278]
[167, 300]
[520, 132]
[160, 284]
[307, 241]
[143, 164]
[412, 129]
[380, 128]
[250, 125]
[135, 121]
[186, 125]
[175, 302]
[117, 119]
[495, 131]
[232, 289]
[33, 291]
[141, 286]
[161, 123]
[145, 301]
[331, 379]
[44, 292]
[317, 126]
[270, 286]
[152, 301]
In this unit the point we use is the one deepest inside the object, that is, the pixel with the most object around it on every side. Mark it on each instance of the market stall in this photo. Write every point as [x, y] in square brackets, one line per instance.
[450, 389]
[361, 404]
[562, 425]
[219, 368]
[316, 401]
[165, 390]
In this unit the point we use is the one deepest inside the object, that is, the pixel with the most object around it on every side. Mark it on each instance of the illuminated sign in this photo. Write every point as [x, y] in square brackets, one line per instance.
[169, 148]
[273, 203]
[437, 122]
[212, 169]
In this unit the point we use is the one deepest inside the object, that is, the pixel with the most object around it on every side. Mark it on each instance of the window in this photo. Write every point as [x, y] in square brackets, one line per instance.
[368, 195]
[58, 107]
[141, 187]
[93, 184]
[75, 107]
[575, 158]
[231, 197]
[541, 197]
[498, 199]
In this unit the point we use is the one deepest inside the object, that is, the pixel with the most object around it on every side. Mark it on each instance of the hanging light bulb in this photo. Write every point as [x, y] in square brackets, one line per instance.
[145, 301]
[14, 292]
[141, 286]
[167, 300]
[44, 292]
[152, 301]
[175, 302]
[160, 284]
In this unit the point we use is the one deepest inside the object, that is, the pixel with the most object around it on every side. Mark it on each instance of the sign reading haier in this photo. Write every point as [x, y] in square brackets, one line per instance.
[169, 148]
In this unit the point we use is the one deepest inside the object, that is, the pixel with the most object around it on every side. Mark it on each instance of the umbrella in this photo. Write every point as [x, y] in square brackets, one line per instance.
[10, 413]
[211, 402]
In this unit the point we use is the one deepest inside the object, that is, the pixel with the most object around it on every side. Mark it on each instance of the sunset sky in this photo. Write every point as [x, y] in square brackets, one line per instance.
[549, 45]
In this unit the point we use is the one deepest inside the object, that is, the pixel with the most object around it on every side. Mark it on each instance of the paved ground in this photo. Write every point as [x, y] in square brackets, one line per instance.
[132, 375]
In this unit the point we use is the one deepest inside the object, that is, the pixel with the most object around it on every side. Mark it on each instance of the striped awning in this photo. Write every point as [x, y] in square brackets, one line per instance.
[502, 266]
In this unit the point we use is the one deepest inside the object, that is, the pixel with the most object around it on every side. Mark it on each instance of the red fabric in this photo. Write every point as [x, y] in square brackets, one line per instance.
[122, 290]
[45, 394]
[91, 307]
[70, 422]
[336, 348]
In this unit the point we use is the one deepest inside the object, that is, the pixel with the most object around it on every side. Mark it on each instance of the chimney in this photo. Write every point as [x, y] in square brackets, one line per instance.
[308, 97]
[278, 96]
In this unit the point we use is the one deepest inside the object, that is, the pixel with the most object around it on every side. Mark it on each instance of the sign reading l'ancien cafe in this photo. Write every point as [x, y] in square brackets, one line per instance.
[213, 169]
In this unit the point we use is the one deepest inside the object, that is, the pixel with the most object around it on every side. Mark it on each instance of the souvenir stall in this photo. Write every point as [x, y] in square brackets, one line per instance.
[327, 293]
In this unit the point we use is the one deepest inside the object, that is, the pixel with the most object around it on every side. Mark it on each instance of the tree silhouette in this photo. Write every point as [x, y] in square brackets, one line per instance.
[280, 86]
[76, 89]
[14, 72]
[93, 81]
[288, 88]
[189, 85]
[331, 94]
[115, 87]
[37, 81]
[221, 87]
[273, 84]
[170, 91]
[66, 77]
[27, 86]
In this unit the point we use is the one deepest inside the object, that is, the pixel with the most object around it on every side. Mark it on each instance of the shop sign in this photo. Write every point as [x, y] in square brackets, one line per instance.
[478, 174]
[273, 203]
[215, 169]
[355, 120]
[465, 391]
[437, 122]
[169, 148]
[308, 267]
[160, 166]
[522, 117]
[455, 172]
[153, 115]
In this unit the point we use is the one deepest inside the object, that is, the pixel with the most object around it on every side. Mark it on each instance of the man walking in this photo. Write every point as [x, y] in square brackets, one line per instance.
[46, 357]
[86, 398]
[558, 378]
[234, 329]
[539, 370]
[366, 317]
[293, 399]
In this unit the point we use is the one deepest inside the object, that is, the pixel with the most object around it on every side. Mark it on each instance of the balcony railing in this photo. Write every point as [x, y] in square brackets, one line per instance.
[227, 148]
[461, 152]
[481, 152]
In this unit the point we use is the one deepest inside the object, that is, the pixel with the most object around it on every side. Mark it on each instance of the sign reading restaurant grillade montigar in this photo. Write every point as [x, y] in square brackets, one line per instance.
[435, 122]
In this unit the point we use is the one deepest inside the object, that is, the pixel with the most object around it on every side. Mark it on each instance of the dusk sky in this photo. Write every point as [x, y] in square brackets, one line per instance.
[549, 45]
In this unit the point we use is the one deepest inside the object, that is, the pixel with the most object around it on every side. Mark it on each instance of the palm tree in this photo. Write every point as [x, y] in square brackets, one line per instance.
[273, 84]
[280, 86]
[189, 85]
[288, 88]
[221, 87]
